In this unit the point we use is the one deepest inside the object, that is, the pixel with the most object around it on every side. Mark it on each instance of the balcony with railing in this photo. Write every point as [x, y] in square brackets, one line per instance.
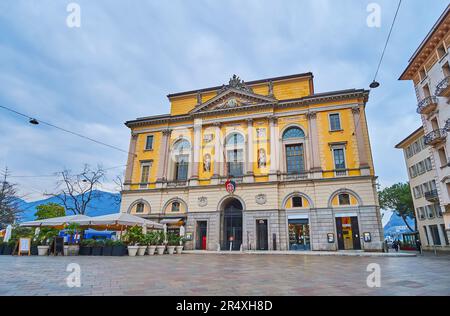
[443, 88]
[427, 105]
[432, 196]
[435, 137]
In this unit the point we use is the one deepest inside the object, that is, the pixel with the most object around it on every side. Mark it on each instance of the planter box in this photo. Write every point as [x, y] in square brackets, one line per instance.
[7, 250]
[85, 251]
[1, 248]
[132, 250]
[107, 251]
[119, 251]
[43, 250]
[97, 251]
[141, 251]
[73, 250]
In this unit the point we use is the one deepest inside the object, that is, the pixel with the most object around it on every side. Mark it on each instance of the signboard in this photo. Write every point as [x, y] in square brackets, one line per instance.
[330, 238]
[24, 246]
[367, 237]
[58, 246]
[230, 186]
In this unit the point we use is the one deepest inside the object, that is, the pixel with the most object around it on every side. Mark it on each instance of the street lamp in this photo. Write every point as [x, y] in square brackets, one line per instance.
[374, 84]
[33, 121]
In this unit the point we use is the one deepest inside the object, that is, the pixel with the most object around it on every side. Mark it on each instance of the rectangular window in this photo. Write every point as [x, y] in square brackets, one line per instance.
[295, 162]
[140, 208]
[442, 156]
[297, 201]
[430, 211]
[344, 199]
[181, 167]
[420, 213]
[235, 163]
[428, 164]
[145, 173]
[335, 122]
[426, 234]
[339, 158]
[149, 142]
[175, 206]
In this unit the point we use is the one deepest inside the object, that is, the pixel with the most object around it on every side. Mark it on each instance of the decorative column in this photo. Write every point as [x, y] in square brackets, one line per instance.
[197, 149]
[163, 158]
[130, 162]
[362, 152]
[316, 167]
[217, 155]
[273, 171]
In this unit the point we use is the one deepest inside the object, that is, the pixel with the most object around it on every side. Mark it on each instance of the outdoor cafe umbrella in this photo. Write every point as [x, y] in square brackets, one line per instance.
[123, 219]
[58, 221]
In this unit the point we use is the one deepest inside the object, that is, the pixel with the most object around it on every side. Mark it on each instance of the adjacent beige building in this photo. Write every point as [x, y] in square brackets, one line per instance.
[422, 179]
[429, 69]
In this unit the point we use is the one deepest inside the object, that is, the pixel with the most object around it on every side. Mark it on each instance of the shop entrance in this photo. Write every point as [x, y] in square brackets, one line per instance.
[348, 233]
[262, 242]
[231, 237]
[299, 238]
[201, 233]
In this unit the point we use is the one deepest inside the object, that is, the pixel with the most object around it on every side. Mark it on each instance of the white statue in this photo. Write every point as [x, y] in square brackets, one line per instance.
[261, 158]
[207, 163]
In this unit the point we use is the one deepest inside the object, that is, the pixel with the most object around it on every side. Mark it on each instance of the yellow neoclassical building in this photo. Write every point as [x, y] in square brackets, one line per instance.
[300, 162]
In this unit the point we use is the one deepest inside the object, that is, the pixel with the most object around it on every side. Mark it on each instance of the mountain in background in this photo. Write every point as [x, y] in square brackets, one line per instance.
[105, 203]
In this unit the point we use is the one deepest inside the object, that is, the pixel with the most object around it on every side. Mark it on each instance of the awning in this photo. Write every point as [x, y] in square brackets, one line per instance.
[172, 221]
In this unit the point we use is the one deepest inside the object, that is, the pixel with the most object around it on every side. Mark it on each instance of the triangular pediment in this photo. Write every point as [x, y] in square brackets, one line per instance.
[230, 97]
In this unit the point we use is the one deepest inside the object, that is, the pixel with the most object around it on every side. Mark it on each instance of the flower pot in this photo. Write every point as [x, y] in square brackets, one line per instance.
[66, 250]
[151, 250]
[7, 250]
[141, 250]
[160, 249]
[2, 246]
[132, 250]
[73, 250]
[179, 249]
[118, 250]
[171, 249]
[42, 250]
[85, 251]
[34, 251]
[97, 251]
[107, 251]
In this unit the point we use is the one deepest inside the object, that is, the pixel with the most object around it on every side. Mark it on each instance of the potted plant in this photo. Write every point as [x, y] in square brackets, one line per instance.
[152, 241]
[86, 247]
[9, 247]
[118, 248]
[142, 245]
[180, 245]
[172, 243]
[72, 248]
[133, 236]
[107, 247]
[97, 247]
[161, 247]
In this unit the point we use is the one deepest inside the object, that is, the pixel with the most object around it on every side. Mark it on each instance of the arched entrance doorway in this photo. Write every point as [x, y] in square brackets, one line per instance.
[231, 225]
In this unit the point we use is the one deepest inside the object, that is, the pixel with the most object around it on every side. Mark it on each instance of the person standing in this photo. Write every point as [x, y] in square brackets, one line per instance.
[419, 246]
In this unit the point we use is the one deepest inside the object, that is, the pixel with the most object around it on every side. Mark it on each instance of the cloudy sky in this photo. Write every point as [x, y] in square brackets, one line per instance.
[127, 56]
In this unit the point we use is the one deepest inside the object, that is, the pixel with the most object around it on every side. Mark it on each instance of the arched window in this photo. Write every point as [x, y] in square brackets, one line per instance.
[182, 146]
[293, 132]
[234, 139]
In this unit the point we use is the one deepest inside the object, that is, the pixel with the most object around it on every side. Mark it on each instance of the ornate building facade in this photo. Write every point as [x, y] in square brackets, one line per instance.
[301, 163]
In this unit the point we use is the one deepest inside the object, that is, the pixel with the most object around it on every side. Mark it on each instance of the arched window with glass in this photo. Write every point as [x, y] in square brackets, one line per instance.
[293, 143]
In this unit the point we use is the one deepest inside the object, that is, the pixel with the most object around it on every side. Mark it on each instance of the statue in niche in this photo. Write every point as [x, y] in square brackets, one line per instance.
[207, 163]
[261, 158]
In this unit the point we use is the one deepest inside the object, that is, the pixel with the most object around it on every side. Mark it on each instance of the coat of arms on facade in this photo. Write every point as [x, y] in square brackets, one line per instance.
[202, 201]
[261, 199]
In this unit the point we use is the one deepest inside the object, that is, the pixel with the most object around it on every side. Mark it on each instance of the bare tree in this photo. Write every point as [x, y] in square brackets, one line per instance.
[76, 191]
[118, 180]
[9, 201]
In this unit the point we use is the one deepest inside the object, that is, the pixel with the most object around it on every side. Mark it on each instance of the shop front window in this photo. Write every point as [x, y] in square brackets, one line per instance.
[299, 238]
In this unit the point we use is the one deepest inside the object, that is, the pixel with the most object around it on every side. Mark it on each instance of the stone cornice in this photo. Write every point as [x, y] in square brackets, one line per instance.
[304, 101]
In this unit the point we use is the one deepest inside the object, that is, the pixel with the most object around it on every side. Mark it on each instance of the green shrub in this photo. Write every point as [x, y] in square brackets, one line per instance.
[133, 236]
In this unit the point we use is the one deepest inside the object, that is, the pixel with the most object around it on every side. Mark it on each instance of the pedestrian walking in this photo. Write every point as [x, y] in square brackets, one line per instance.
[419, 246]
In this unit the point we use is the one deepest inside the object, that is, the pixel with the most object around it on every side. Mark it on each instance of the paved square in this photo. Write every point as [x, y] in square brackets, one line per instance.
[191, 274]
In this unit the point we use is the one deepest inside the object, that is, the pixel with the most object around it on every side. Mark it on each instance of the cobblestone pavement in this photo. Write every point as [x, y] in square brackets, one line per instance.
[191, 274]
